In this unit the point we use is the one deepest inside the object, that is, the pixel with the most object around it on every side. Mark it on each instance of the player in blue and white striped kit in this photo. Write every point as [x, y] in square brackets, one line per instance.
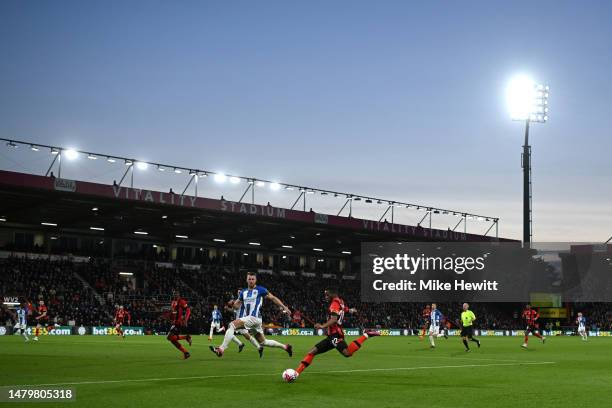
[249, 302]
[581, 322]
[216, 320]
[22, 320]
[435, 319]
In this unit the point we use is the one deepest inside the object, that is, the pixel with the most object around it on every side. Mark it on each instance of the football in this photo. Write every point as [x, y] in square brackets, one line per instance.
[290, 375]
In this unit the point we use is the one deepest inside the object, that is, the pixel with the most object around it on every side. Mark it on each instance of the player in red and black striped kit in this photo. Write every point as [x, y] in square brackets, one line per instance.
[180, 317]
[121, 315]
[531, 318]
[425, 321]
[335, 334]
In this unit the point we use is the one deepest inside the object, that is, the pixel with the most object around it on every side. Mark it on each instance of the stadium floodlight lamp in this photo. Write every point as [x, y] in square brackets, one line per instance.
[2, 219]
[317, 249]
[129, 162]
[275, 186]
[141, 233]
[218, 240]
[177, 170]
[96, 228]
[142, 165]
[34, 148]
[254, 243]
[260, 183]
[54, 151]
[527, 100]
[203, 174]
[164, 217]
[11, 144]
[49, 224]
[193, 173]
[92, 156]
[161, 168]
[309, 192]
[71, 154]
[110, 160]
[220, 177]
[288, 188]
[234, 180]
[288, 246]
[346, 252]
[182, 236]
[94, 209]
[126, 273]
[245, 254]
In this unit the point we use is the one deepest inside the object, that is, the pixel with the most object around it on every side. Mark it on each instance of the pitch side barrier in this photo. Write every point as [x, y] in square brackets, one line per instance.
[140, 331]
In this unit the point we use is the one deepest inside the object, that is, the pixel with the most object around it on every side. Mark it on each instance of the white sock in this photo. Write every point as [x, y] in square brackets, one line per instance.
[24, 334]
[255, 343]
[273, 343]
[228, 337]
[211, 332]
[237, 341]
[431, 340]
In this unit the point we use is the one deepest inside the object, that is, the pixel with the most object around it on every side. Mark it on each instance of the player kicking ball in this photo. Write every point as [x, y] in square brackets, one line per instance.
[335, 333]
[531, 317]
[249, 303]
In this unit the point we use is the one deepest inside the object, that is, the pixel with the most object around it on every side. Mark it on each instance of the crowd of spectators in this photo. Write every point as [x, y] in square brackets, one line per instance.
[146, 291]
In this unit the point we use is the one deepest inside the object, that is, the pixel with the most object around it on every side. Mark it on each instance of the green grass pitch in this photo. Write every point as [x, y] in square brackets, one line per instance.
[386, 372]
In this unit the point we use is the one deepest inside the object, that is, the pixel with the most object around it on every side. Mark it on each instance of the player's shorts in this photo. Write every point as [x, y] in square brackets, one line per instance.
[467, 331]
[531, 329]
[252, 324]
[216, 326]
[19, 326]
[176, 330]
[335, 341]
[241, 331]
[434, 330]
[581, 329]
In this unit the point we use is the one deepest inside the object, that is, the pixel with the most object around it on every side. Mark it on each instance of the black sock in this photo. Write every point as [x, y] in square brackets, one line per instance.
[465, 344]
[474, 339]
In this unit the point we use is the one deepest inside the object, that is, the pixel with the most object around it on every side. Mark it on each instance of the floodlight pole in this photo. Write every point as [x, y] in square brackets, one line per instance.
[527, 232]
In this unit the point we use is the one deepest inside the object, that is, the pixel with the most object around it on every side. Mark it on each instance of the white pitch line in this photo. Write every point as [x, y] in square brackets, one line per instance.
[207, 377]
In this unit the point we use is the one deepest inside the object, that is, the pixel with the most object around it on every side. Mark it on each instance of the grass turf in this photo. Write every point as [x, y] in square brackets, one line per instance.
[386, 372]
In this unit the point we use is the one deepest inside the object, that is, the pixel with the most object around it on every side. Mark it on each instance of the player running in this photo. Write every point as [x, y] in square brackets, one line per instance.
[180, 317]
[42, 317]
[581, 322]
[435, 319]
[215, 322]
[531, 317]
[244, 332]
[121, 315]
[424, 321]
[335, 333]
[467, 327]
[249, 302]
[22, 320]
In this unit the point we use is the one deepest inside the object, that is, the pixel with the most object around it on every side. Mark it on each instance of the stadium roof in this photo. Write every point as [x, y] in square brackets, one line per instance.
[62, 205]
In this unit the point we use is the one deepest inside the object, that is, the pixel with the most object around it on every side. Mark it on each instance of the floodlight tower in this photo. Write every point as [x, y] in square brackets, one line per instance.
[528, 102]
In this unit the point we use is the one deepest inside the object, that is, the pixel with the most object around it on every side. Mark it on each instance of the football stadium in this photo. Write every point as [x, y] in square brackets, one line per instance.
[149, 280]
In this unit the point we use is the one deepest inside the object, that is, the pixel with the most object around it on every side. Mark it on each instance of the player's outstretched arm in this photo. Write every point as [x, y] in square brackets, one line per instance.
[278, 302]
